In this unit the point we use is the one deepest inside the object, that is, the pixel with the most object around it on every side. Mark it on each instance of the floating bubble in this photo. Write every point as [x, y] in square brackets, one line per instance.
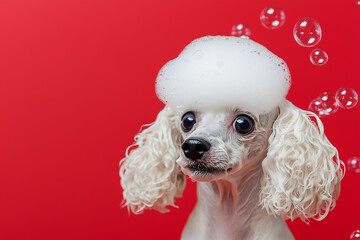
[307, 32]
[324, 105]
[346, 98]
[318, 57]
[355, 235]
[353, 165]
[241, 30]
[272, 17]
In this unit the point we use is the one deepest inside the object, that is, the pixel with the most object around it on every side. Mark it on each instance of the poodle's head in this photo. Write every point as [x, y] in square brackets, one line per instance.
[209, 135]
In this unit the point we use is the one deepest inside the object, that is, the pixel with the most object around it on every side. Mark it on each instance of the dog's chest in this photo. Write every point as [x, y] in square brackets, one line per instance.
[227, 215]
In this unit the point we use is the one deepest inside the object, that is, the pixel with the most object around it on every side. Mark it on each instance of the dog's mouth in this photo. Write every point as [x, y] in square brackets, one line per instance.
[200, 171]
[203, 173]
[205, 170]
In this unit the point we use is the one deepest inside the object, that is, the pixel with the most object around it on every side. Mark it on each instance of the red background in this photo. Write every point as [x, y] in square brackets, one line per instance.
[77, 82]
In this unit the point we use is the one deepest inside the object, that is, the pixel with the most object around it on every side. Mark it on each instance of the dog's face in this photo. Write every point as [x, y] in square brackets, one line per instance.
[294, 155]
[217, 144]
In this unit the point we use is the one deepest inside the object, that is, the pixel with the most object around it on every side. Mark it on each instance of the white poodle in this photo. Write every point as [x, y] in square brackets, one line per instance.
[253, 170]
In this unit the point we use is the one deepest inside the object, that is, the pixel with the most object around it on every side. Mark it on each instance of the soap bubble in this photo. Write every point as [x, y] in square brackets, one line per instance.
[324, 105]
[220, 78]
[318, 57]
[241, 30]
[272, 17]
[353, 165]
[355, 235]
[307, 32]
[346, 98]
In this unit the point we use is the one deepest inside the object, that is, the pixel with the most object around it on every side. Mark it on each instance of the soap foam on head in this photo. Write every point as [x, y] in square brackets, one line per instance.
[215, 72]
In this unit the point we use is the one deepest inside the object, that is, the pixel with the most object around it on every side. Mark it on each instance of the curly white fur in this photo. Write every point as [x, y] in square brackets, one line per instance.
[149, 174]
[302, 170]
[285, 167]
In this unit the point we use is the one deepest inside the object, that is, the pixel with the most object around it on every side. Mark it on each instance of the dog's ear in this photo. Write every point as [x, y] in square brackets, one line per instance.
[149, 174]
[302, 170]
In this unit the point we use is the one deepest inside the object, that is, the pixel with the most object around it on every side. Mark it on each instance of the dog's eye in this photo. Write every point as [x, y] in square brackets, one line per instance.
[243, 124]
[188, 121]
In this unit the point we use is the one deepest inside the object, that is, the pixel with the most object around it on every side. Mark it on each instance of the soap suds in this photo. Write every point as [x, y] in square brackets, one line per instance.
[215, 72]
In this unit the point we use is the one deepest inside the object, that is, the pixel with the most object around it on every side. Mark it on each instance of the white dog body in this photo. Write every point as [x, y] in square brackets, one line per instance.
[247, 184]
[256, 165]
[221, 213]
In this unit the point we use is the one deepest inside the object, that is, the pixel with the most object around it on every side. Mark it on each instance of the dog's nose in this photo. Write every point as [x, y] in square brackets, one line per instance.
[194, 148]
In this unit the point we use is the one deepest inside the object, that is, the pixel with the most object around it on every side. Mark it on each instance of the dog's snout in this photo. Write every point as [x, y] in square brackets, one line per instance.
[194, 148]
